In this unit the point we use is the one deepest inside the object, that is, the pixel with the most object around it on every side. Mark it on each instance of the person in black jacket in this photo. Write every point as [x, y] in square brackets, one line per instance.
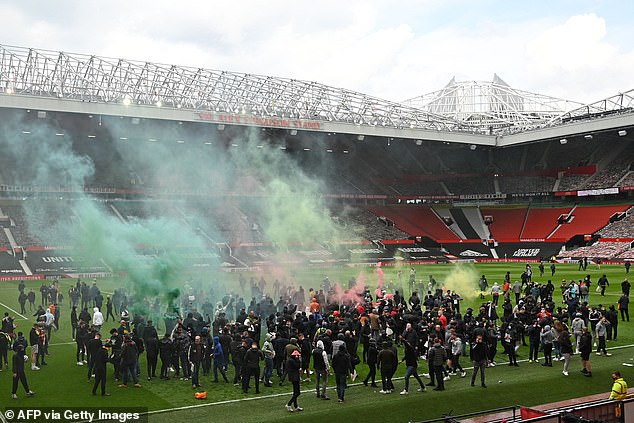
[585, 349]
[342, 366]
[129, 357]
[165, 348]
[80, 338]
[372, 359]
[18, 372]
[92, 345]
[195, 356]
[385, 361]
[251, 365]
[292, 371]
[437, 357]
[99, 363]
[478, 354]
[150, 338]
[411, 361]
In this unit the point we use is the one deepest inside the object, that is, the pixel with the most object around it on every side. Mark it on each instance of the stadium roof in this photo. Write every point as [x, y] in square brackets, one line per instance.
[468, 112]
[492, 106]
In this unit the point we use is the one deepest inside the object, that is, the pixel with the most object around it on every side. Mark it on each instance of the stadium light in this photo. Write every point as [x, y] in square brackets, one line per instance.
[622, 133]
[588, 137]
[159, 103]
[9, 90]
[127, 101]
[419, 142]
[361, 137]
[221, 127]
[472, 147]
[293, 131]
[563, 141]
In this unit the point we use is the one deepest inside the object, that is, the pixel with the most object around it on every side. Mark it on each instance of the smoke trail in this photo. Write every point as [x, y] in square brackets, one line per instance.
[462, 279]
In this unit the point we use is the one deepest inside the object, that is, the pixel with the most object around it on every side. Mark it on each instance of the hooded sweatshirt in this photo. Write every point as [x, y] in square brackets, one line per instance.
[320, 358]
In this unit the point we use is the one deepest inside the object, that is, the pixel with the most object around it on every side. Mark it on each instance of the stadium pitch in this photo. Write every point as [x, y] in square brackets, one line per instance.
[62, 383]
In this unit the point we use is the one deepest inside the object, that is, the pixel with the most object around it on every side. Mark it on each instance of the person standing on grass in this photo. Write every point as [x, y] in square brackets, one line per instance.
[100, 361]
[220, 360]
[129, 356]
[252, 358]
[195, 355]
[437, 356]
[150, 339]
[92, 346]
[624, 304]
[165, 348]
[385, 361]
[97, 319]
[603, 283]
[411, 361]
[601, 332]
[292, 371]
[372, 360]
[585, 349]
[479, 353]
[321, 366]
[5, 341]
[546, 337]
[269, 355]
[342, 366]
[19, 358]
[34, 338]
[565, 345]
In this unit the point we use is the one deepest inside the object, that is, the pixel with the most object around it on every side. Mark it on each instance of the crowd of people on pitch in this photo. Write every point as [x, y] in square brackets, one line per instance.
[317, 334]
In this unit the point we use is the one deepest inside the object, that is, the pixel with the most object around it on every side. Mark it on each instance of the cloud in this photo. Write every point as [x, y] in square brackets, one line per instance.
[388, 51]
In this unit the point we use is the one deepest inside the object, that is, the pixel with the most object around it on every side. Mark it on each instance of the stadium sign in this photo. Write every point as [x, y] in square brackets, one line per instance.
[471, 253]
[600, 191]
[526, 252]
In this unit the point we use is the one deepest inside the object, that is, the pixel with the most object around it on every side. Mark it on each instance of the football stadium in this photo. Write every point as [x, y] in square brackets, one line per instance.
[161, 224]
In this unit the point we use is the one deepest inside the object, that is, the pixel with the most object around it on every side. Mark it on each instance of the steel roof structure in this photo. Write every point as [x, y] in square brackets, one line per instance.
[479, 113]
[25, 71]
[492, 106]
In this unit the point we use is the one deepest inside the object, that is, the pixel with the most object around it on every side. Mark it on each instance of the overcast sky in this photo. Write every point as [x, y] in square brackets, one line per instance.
[574, 49]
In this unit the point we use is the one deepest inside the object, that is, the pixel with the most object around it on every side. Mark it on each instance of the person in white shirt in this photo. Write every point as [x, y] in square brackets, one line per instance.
[97, 319]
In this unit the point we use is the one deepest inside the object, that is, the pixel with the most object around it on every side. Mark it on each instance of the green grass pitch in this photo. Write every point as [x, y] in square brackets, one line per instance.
[63, 384]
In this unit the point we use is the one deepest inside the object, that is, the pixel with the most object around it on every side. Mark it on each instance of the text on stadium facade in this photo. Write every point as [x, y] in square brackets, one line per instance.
[238, 119]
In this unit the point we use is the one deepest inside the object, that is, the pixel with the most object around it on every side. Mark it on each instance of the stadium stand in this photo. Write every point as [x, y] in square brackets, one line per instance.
[516, 184]
[416, 221]
[571, 182]
[362, 224]
[471, 184]
[601, 249]
[540, 222]
[586, 220]
[623, 228]
[507, 222]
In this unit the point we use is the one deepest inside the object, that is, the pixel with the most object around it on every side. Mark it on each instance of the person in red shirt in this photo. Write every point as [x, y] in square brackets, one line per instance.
[442, 319]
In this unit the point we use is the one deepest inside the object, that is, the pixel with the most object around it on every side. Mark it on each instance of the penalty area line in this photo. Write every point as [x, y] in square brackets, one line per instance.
[286, 394]
[9, 308]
